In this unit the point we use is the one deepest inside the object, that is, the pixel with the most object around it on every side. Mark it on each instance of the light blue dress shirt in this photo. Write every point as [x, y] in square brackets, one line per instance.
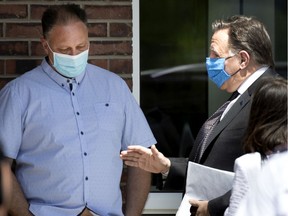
[67, 139]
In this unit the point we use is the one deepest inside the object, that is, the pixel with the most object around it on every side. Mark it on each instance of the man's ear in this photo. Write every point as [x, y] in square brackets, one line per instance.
[244, 59]
[44, 45]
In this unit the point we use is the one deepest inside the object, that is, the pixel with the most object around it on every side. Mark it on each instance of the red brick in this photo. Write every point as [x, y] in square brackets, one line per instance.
[103, 63]
[23, 30]
[9, 11]
[109, 12]
[11, 67]
[121, 30]
[121, 66]
[97, 29]
[129, 83]
[37, 11]
[111, 48]
[1, 30]
[37, 49]
[2, 67]
[18, 67]
[14, 48]
[4, 81]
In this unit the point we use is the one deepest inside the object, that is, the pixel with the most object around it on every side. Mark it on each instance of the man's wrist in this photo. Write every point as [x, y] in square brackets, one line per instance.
[165, 171]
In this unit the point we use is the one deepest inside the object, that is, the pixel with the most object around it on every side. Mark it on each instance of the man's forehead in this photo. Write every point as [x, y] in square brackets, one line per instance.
[217, 49]
[219, 42]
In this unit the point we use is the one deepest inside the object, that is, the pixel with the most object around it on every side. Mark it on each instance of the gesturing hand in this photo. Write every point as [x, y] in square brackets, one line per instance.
[150, 160]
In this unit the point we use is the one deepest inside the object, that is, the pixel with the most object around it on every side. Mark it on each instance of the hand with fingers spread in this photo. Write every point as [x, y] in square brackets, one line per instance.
[150, 160]
[202, 207]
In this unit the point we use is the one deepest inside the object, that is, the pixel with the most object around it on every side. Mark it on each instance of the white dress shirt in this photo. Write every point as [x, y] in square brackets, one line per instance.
[244, 86]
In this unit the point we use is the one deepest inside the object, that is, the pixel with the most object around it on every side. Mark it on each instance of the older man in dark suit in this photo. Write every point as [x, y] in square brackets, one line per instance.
[240, 56]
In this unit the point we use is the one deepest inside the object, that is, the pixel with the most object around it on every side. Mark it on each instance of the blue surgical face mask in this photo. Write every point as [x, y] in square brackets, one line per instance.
[68, 65]
[216, 71]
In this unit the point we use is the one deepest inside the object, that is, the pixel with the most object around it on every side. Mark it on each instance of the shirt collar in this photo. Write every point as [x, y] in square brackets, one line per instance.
[58, 78]
[251, 79]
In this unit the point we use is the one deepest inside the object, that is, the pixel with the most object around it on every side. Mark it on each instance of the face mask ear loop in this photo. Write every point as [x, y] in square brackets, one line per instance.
[53, 54]
[235, 72]
[229, 57]
[51, 62]
[49, 47]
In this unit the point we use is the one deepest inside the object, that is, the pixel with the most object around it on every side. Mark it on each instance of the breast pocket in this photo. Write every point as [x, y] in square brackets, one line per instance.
[110, 116]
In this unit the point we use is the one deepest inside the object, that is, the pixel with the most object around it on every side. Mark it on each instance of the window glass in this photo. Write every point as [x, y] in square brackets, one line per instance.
[173, 82]
[281, 36]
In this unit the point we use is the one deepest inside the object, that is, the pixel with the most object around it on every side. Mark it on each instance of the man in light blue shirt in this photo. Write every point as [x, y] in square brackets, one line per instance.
[65, 123]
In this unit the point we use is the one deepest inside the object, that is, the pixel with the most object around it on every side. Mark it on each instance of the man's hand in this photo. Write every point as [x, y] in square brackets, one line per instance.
[150, 160]
[202, 205]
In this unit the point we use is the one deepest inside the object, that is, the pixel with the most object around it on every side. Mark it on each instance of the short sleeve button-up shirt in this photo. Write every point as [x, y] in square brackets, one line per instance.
[66, 136]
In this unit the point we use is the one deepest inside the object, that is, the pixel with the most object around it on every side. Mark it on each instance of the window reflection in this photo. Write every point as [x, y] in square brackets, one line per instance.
[173, 82]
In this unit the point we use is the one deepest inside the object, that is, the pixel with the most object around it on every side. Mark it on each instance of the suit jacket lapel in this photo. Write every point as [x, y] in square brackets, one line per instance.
[233, 112]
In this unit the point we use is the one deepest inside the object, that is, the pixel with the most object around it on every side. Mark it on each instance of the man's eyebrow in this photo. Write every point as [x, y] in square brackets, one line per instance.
[213, 49]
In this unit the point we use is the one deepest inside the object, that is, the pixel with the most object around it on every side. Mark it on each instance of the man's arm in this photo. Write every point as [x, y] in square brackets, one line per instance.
[177, 174]
[138, 186]
[18, 204]
[218, 205]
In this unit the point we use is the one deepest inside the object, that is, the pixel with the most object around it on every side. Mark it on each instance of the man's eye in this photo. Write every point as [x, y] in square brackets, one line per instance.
[82, 48]
[214, 56]
[65, 51]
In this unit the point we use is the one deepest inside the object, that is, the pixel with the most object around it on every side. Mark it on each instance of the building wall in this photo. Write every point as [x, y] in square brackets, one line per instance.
[110, 34]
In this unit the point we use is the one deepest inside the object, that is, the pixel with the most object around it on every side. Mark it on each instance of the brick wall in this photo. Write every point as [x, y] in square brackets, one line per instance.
[110, 34]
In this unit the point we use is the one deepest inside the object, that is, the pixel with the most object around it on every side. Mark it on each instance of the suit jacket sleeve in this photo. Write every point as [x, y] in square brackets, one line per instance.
[218, 205]
[177, 174]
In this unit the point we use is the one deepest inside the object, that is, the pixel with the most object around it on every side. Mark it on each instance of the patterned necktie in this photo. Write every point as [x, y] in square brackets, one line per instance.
[209, 125]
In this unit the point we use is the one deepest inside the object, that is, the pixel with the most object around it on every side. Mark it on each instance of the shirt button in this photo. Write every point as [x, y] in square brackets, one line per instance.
[85, 153]
[73, 93]
[77, 113]
[82, 132]
[86, 178]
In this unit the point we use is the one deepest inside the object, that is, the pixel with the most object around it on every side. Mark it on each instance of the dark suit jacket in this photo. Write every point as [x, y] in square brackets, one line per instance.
[224, 145]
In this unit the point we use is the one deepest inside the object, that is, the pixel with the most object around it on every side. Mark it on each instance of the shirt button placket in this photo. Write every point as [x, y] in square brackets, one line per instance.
[82, 141]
